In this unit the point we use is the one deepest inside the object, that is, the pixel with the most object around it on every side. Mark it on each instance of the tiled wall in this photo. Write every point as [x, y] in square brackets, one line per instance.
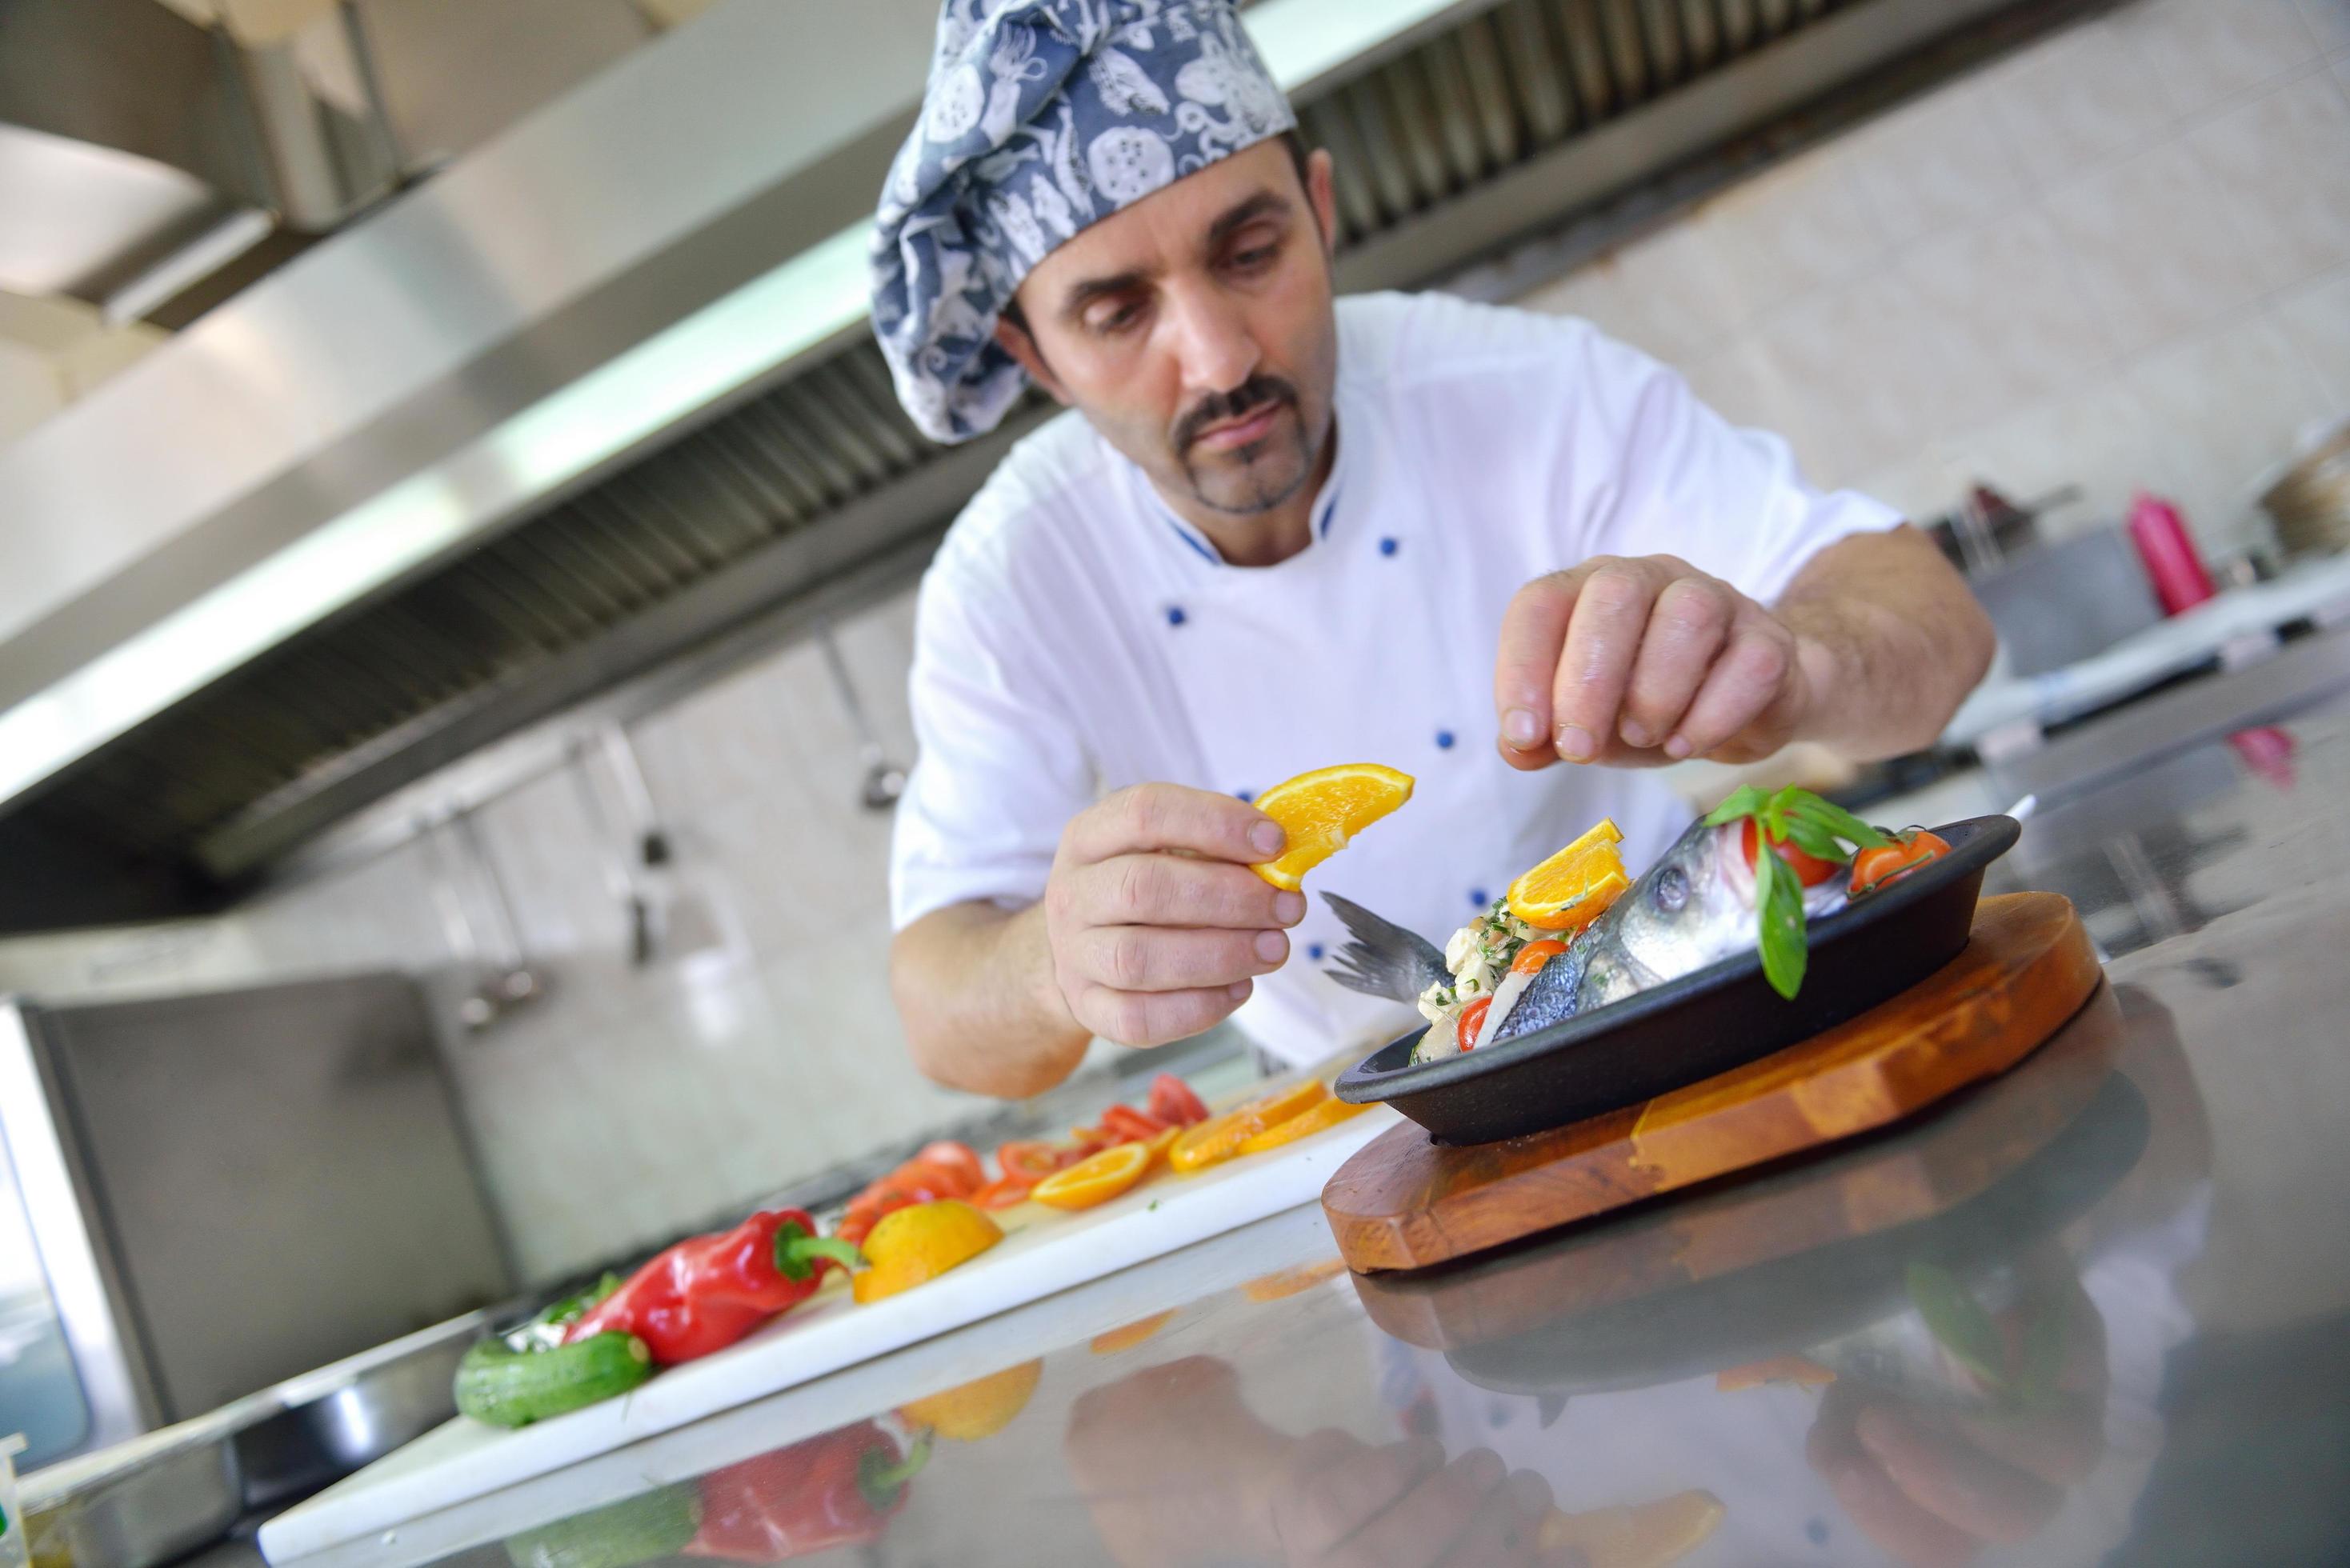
[2123, 258]
[2120, 258]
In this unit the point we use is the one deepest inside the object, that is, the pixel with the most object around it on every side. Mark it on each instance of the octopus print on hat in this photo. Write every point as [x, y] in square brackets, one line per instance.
[1042, 117]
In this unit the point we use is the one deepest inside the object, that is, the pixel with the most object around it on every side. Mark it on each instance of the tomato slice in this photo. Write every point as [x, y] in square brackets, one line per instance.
[1002, 1192]
[961, 1158]
[1473, 1019]
[1873, 868]
[1533, 955]
[1809, 869]
[1131, 1126]
[1172, 1101]
[1029, 1157]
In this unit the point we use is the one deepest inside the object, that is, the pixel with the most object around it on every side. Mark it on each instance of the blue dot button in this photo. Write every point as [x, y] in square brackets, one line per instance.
[1443, 739]
[1175, 614]
[1244, 795]
[1387, 546]
[1314, 951]
[1477, 897]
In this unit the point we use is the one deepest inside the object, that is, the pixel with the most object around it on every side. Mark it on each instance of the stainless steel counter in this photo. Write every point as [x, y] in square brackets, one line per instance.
[2093, 1311]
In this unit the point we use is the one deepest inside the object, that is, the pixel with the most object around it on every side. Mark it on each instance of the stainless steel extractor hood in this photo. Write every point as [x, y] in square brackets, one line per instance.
[603, 388]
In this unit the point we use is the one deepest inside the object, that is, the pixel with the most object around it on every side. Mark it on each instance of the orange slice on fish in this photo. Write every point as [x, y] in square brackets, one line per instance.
[1574, 887]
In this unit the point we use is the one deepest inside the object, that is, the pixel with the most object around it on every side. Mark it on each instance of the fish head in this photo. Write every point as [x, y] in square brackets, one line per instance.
[1693, 907]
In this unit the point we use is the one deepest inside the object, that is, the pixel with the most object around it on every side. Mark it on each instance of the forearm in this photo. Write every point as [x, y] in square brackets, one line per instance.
[1890, 640]
[975, 989]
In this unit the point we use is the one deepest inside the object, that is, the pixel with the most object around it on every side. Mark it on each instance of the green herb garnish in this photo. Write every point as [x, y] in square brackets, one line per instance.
[1818, 828]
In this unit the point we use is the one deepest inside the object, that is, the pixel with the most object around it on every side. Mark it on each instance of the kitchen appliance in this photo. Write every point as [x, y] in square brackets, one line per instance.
[207, 1194]
[1722, 1016]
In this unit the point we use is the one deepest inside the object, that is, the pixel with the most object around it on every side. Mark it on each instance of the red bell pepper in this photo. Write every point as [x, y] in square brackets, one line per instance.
[838, 1489]
[705, 1293]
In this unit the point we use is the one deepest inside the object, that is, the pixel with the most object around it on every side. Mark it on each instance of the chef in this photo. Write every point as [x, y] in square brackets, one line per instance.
[1279, 530]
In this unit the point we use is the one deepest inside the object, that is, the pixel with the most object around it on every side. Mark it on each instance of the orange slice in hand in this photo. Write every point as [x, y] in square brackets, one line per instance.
[1574, 887]
[1096, 1179]
[1220, 1137]
[1328, 1112]
[1322, 812]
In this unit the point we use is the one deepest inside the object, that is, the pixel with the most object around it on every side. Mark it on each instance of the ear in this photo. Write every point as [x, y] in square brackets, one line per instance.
[1022, 347]
[1323, 194]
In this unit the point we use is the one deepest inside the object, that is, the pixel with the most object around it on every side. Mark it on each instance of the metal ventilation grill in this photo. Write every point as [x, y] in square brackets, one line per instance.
[232, 776]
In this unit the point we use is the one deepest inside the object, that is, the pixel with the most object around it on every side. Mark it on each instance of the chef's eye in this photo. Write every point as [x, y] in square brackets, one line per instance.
[1109, 321]
[1671, 890]
[1256, 258]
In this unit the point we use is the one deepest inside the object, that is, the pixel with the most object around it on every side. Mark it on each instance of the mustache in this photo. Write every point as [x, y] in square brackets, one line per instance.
[1216, 408]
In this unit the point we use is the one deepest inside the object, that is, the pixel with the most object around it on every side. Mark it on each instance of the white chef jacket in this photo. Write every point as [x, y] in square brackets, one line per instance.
[1074, 636]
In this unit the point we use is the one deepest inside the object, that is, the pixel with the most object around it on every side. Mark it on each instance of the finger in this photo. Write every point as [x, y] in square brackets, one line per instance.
[1534, 632]
[1145, 1018]
[1337, 1486]
[1162, 958]
[1161, 816]
[1956, 1482]
[1746, 679]
[1426, 1521]
[1170, 890]
[1611, 615]
[1507, 1530]
[1907, 1532]
[1687, 628]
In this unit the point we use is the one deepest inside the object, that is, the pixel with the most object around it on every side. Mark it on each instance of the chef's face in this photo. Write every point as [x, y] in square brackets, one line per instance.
[1195, 329]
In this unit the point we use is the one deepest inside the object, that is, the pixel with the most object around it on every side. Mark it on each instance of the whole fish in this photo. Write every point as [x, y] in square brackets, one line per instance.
[1694, 906]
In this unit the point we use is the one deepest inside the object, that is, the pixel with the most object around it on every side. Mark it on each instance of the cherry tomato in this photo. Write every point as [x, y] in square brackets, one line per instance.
[1030, 1158]
[1533, 955]
[1809, 869]
[1473, 1019]
[1173, 1101]
[1875, 867]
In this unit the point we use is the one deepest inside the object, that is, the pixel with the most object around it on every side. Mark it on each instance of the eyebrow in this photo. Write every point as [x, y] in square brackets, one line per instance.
[1264, 203]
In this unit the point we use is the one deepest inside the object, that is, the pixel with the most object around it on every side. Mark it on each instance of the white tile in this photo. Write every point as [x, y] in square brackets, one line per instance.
[1938, 163]
[1867, 376]
[1799, 227]
[1679, 305]
[2081, 99]
[1922, 487]
[2008, 291]
[2328, 22]
[2158, 242]
[2228, 405]
[2103, 437]
[2208, 51]
[2318, 321]
[2285, 156]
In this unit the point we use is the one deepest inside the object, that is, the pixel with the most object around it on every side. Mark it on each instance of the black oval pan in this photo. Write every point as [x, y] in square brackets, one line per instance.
[1721, 1017]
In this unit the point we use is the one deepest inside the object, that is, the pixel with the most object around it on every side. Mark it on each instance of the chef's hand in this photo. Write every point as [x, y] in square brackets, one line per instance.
[1640, 662]
[1339, 1502]
[1156, 923]
[1935, 1488]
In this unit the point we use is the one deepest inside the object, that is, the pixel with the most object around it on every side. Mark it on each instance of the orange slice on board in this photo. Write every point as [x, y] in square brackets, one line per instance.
[976, 1409]
[1220, 1137]
[1645, 1535]
[1322, 812]
[1574, 887]
[1327, 1113]
[1096, 1179]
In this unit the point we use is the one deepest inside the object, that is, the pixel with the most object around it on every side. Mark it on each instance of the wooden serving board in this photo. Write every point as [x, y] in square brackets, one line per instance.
[1405, 1202]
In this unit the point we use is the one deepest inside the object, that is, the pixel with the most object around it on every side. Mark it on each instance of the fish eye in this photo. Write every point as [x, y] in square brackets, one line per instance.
[1670, 893]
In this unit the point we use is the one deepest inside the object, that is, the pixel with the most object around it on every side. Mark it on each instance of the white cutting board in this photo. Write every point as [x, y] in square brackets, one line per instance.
[463, 1459]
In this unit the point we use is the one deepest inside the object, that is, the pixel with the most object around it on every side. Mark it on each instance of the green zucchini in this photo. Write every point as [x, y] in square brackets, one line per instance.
[656, 1523]
[510, 1387]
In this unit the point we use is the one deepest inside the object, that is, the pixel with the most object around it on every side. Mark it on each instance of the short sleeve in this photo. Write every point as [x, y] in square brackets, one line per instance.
[1680, 479]
[1001, 767]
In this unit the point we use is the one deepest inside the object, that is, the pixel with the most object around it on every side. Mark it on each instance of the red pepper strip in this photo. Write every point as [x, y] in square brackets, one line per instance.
[1473, 1019]
[1173, 1101]
[1130, 1126]
[1029, 1159]
[837, 1490]
[705, 1293]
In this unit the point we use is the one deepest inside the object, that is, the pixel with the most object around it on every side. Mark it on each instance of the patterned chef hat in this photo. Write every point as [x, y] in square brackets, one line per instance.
[1042, 117]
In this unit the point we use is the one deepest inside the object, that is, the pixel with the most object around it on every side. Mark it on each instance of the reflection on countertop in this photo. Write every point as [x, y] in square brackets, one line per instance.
[2091, 1312]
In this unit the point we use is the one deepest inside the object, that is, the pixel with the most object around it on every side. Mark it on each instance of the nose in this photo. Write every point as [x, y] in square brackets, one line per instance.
[1213, 341]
